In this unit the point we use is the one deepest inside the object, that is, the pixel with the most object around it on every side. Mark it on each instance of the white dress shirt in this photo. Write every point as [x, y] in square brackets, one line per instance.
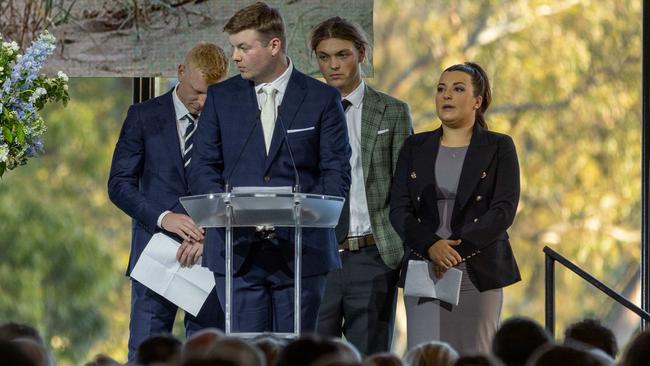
[181, 127]
[359, 216]
[181, 122]
[280, 84]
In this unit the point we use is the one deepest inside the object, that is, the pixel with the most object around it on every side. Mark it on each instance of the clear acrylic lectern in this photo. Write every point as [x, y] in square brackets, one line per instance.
[297, 210]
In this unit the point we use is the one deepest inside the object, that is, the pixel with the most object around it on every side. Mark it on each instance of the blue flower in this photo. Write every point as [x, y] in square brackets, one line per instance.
[35, 148]
[22, 93]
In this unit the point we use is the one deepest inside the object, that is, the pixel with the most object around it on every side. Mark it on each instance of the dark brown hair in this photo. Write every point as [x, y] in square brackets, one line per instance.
[592, 332]
[481, 86]
[260, 17]
[340, 28]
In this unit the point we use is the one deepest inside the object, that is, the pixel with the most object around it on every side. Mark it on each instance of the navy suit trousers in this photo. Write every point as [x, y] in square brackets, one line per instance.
[263, 293]
[152, 314]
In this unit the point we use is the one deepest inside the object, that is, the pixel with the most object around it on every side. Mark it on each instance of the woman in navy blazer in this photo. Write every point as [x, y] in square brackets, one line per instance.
[455, 193]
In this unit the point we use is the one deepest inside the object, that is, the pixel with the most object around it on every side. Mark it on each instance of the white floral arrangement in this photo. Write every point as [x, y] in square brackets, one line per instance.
[23, 93]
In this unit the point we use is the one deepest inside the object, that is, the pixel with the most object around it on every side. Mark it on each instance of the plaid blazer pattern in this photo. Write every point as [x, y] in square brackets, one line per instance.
[385, 124]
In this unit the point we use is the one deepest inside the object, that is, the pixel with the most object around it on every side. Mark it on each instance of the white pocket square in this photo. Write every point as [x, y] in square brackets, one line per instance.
[381, 132]
[301, 129]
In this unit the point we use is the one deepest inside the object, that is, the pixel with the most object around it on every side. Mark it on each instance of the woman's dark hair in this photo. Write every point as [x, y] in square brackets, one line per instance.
[481, 85]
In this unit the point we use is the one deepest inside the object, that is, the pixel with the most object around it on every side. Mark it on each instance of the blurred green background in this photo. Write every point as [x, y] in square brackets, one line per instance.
[566, 79]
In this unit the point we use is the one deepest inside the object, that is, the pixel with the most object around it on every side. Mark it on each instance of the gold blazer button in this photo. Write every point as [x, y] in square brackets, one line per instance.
[413, 175]
[483, 175]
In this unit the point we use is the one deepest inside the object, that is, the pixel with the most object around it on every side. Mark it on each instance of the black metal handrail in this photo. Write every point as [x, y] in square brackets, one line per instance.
[552, 257]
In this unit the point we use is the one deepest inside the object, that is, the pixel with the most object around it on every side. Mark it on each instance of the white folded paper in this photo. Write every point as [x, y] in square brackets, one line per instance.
[158, 269]
[421, 282]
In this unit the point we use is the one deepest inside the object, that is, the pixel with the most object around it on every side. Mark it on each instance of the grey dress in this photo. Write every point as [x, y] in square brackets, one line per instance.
[470, 326]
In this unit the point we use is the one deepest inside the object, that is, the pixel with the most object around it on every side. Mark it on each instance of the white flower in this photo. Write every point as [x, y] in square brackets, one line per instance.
[48, 37]
[4, 153]
[37, 94]
[1, 69]
[14, 46]
[62, 75]
[40, 91]
[65, 87]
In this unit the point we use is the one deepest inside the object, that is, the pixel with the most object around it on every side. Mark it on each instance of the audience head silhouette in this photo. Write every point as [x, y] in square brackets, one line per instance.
[517, 339]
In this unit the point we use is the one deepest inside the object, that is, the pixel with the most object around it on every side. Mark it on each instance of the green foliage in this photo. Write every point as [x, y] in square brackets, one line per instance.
[64, 245]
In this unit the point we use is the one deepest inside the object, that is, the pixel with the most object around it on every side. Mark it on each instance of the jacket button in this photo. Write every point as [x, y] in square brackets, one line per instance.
[478, 198]
[476, 219]
[418, 198]
[267, 178]
[483, 175]
[419, 221]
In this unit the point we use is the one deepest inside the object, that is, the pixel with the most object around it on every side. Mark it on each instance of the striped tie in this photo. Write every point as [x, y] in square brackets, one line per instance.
[189, 138]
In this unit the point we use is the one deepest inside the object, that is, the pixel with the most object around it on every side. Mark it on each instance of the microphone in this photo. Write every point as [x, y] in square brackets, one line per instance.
[296, 188]
[241, 152]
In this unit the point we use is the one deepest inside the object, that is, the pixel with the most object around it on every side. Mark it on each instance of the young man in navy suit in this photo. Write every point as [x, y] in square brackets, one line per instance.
[148, 175]
[241, 142]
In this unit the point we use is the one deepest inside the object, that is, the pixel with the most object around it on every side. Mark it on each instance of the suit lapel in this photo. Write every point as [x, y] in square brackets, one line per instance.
[247, 118]
[479, 155]
[371, 116]
[293, 97]
[167, 114]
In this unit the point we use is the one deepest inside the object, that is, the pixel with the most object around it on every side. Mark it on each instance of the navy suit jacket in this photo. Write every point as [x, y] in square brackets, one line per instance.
[147, 175]
[312, 112]
[485, 205]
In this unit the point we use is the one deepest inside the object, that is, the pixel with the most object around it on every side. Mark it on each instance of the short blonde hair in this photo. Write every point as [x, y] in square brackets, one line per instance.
[432, 353]
[210, 60]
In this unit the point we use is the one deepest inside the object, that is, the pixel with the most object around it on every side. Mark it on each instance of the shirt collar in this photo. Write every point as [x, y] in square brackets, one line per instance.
[179, 107]
[280, 84]
[356, 97]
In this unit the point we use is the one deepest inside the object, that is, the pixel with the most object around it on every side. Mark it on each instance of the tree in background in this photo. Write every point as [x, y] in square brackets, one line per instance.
[566, 78]
[63, 244]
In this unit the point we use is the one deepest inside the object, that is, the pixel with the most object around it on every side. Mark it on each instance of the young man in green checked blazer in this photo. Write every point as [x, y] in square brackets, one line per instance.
[360, 298]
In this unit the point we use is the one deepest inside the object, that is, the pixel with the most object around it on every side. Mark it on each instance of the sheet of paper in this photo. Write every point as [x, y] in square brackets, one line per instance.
[158, 269]
[421, 282]
[448, 286]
